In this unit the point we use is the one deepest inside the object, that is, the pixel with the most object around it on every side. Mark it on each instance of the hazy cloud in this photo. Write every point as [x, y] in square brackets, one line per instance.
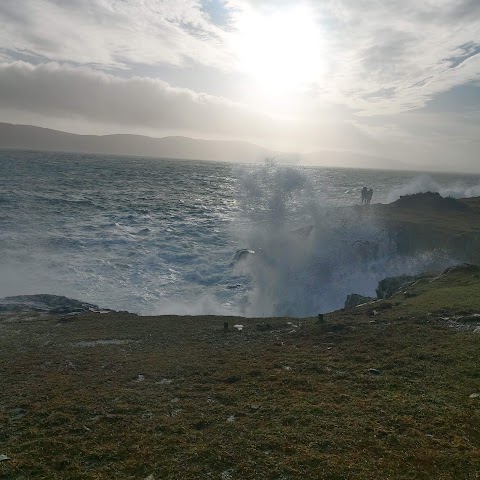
[411, 50]
[112, 32]
[62, 91]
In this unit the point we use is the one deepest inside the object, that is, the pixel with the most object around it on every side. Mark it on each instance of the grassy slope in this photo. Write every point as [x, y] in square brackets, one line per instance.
[301, 400]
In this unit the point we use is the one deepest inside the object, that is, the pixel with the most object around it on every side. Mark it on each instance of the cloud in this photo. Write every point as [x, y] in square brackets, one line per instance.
[61, 90]
[380, 58]
[389, 57]
[112, 32]
[82, 94]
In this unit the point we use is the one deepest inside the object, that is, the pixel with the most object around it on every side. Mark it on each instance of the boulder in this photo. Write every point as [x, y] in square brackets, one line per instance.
[355, 299]
[391, 285]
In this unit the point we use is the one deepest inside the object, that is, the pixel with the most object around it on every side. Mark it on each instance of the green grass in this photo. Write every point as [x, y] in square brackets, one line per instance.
[303, 402]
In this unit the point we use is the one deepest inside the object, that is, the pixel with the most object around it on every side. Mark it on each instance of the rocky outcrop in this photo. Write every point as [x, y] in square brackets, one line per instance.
[391, 285]
[355, 299]
[431, 201]
[45, 304]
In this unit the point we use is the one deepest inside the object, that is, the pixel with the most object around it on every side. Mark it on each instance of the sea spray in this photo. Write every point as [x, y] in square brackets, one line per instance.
[310, 271]
[158, 236]
[425, 183]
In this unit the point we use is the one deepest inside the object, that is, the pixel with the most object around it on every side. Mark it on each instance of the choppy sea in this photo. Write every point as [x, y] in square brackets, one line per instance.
[159, 236]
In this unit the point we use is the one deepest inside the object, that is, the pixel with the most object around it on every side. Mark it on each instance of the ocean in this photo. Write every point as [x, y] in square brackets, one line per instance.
[165, 236]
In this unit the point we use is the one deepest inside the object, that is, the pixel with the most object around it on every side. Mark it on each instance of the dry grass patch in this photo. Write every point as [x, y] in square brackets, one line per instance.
[362, 398]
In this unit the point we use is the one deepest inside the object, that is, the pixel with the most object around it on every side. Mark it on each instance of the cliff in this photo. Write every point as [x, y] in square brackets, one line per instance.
[426, 222]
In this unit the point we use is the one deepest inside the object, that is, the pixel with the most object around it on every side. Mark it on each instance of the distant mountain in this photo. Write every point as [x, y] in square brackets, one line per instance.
[28, 137]
[36, 138]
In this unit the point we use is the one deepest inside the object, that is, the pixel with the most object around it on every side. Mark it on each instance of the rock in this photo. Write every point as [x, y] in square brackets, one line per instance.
[374, 371]
[365, 249]
[4, 457]
[45, 304]
[241, 255]
[18, 413]
[238, 327]
[164, 381]
[464, 267]
[431, 200]
[355, 299]
[391, 285]
[474, 395]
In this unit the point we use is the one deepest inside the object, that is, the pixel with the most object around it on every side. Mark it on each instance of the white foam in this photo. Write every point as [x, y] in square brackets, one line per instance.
[425, 183]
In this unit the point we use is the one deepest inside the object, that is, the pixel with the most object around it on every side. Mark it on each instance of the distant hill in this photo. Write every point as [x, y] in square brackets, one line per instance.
[36, 138]
[28, 137]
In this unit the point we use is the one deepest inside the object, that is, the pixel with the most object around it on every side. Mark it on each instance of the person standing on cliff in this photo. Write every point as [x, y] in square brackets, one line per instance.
[369, 196]
[364, 195]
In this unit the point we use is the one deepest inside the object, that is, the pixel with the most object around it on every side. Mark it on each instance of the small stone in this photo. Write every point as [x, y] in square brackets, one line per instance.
[374, 371]
[474, 395]
[231, 419]
[140, 378]
[164, 381]
[18, 413]
[238, 327]
[4, 457]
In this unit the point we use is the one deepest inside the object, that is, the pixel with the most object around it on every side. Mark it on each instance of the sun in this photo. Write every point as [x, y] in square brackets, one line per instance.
[281, 50]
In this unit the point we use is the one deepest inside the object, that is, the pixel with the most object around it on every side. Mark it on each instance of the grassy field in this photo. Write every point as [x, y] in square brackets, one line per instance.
[381, 391]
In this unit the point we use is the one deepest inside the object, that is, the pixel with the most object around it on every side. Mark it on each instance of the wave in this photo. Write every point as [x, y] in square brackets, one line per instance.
[164, 240]
[425, 183]
[297, 273]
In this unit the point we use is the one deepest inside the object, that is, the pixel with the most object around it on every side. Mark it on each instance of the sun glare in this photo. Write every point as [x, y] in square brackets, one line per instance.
[281, 51]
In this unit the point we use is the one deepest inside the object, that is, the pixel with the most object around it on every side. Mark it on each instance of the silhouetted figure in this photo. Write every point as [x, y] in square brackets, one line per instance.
[369, 196]
[364, 195]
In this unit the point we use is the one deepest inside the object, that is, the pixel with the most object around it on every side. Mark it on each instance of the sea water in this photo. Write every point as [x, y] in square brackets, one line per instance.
[158, 236]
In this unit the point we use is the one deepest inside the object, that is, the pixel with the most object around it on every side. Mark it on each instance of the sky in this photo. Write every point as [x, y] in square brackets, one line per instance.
[395, 79]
